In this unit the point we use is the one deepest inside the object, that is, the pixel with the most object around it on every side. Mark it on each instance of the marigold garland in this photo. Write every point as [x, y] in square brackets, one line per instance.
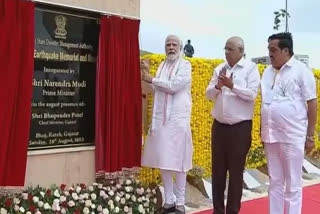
[201, 120]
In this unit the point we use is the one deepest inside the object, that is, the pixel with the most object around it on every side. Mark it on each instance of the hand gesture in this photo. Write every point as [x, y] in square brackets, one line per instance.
[224, 80]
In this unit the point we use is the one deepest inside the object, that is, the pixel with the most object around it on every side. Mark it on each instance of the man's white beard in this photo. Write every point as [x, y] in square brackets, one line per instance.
[172, 57]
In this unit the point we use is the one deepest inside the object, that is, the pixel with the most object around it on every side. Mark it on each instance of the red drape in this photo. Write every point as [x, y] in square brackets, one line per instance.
[16, 70]
[118, 96]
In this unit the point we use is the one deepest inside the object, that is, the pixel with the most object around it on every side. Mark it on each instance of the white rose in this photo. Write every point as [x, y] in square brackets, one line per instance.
[105, 211]
[78, 189]
[133, 198]
[126, 209]
[95, 184]
[63, 211]
[88, 203]
[128, 182]
[127, 196]
[99, 209]
[63, 198]
[128, 189]
[21, 209]
[46, 206]
[117, 198]
[40, 204]
[56, 193]
[75, 196]
[111, 193]
[102, 193]
[139, 199]
[116, 210]
[100, 186]
[42, 193]
[86, 210]
[93, 206]
[93, 196]
[81, 197]
[110, 202]
[25, 196]
[148, 190]
[154, 191]
[146, 204]
[66, 193]
[71, 188]
[86, 195]
[16, 201]
[118, 186]
[3, 211]
[35, 199]
[71, 204]
[56, 207]
[16, 208]
[91, 188]
[123, 201]
[28, 212]
[155, 200]
[37, 212]
[141, 209]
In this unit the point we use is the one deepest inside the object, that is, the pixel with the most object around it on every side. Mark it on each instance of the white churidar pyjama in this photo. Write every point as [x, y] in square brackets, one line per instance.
[285, 175]
[180, 186]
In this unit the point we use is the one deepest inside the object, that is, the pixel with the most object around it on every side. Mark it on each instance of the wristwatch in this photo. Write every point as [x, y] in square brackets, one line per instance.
[311, 138]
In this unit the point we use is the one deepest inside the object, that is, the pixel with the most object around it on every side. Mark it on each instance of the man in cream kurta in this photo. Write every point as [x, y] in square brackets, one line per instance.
[169, 144]
[288, 117]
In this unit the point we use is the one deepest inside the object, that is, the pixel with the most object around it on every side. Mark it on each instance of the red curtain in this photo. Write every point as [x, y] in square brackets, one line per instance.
[16, 70]
[118, 97]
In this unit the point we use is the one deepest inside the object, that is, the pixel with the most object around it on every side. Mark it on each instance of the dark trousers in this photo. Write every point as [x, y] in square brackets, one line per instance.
[230, 145]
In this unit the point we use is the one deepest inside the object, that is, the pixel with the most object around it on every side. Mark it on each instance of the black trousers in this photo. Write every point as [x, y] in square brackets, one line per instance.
[230, 145]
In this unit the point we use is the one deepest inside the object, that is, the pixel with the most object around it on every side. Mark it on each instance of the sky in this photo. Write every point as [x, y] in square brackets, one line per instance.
[209, 23]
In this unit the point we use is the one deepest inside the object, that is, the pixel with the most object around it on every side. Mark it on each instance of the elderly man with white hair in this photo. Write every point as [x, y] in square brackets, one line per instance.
[233, 87]
[169, 143]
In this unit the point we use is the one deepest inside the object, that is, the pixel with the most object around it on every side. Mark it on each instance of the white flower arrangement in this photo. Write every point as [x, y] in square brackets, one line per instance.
[126, 196]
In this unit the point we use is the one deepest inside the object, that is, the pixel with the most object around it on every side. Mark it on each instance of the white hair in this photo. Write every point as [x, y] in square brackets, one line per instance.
[176, 38]
[237, 41]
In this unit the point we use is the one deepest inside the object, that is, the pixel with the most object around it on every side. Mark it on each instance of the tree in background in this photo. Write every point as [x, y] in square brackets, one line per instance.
[282, 13]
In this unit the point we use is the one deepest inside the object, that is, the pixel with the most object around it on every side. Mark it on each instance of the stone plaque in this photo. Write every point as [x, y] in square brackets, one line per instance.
[65, 54]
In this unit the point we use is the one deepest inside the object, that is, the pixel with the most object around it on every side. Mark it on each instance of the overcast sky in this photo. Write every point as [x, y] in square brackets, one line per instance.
[208, 23]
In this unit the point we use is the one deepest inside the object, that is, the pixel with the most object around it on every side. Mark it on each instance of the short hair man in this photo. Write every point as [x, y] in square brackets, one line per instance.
[169, 145]
[288, 118]
[188, 49]
[234, 87]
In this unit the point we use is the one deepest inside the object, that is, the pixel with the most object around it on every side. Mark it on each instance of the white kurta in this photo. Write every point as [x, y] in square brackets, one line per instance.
[169, 143]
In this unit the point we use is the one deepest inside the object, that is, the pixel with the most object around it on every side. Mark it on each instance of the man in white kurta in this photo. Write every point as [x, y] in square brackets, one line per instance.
[169, 144]
[288, 117]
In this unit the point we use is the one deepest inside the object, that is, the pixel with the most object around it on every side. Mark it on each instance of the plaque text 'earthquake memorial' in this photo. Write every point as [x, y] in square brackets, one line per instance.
[64, 80]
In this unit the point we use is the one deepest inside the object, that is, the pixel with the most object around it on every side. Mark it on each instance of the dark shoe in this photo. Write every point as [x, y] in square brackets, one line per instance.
[180, 209]
[167, 208]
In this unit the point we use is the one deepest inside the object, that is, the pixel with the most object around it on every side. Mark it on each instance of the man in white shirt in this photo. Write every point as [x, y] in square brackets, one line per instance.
[233, 87]
[169, 144]
[288, 118]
